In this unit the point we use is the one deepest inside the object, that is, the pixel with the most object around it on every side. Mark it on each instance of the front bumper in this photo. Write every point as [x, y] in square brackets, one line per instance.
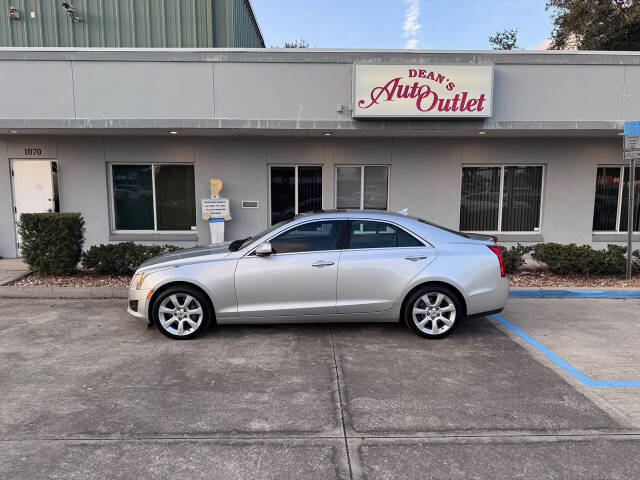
[139, 300]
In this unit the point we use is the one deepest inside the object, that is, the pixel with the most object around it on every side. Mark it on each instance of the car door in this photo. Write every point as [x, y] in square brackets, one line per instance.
[299, 278]
[378, 260]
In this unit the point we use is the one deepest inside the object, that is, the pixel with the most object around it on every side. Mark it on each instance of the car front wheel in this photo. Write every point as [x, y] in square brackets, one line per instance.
[181, 312]
[433, 311]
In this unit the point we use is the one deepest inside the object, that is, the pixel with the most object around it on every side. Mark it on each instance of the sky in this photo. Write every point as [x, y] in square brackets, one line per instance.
[422, 24]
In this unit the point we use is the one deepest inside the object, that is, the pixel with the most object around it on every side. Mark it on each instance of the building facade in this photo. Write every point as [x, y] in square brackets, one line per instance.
[130, 24]
[524, 145]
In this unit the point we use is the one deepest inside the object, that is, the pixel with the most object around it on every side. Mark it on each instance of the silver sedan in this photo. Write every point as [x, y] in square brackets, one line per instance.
[362, 266]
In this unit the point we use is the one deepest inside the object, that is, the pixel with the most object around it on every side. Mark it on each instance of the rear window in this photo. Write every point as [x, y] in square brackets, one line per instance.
[455, 232]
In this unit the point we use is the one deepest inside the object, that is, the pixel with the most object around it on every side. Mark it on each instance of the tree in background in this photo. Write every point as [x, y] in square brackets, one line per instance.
[595, 24]
[505, 39]
[302, 43]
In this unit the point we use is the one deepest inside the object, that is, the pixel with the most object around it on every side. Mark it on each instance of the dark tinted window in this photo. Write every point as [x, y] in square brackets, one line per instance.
[403, 239]
[366, 234]
[310, 237]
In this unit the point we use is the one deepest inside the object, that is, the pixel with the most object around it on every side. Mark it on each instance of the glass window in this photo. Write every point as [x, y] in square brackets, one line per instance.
[368, 234]
[364, 186]
[349, 184]
[515, 207]
[175, 194]
[611, 204]
[133, 192]
[624, 210]
[310, 237]
[286, 181]
[134, 188]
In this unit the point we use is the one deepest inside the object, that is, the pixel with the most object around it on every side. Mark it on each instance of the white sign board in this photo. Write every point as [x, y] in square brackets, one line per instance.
[422, 91]
[216, 207]
[631, 142]
[632, 154]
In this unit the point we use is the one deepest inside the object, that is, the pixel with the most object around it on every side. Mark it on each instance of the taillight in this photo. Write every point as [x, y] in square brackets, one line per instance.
[496, 249]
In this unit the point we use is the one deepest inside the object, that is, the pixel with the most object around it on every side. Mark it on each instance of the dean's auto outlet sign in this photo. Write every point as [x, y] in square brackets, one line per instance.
[405, 91]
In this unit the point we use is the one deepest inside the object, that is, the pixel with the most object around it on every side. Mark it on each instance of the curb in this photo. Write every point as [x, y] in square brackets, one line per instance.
[574, 293]
[15, 276]
[63, 292]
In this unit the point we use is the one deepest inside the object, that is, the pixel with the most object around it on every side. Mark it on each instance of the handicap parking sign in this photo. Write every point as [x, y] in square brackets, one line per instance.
[632, 128]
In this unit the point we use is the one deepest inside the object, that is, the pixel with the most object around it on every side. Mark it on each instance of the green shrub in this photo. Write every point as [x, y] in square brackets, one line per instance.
[581, 259]
[121, 258]
[51, 242]
[513, 258]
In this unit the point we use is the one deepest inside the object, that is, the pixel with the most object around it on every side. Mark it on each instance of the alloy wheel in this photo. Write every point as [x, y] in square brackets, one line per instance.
[434, 313]
[180, 314]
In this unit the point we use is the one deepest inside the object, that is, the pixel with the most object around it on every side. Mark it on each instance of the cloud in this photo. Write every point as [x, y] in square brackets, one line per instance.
[411, 25]
[412, 43]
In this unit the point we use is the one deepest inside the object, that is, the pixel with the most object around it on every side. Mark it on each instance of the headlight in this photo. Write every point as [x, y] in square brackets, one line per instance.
[139, 280]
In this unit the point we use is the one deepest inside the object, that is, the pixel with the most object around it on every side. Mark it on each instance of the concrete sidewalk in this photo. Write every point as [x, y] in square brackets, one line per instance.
[12, 269]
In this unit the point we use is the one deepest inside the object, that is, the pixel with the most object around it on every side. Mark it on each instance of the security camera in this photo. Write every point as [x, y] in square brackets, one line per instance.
[71, 11]
[14, 13]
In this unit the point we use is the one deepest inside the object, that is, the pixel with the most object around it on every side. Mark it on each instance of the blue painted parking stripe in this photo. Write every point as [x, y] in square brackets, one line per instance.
[572, 293]
[562, 362]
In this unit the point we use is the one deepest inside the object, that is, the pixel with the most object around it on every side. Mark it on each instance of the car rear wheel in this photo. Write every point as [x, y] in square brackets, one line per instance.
[181, 312]
[433, 311]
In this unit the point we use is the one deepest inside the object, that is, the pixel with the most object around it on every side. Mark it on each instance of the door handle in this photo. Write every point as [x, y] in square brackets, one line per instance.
[415, 258]
[321, 263]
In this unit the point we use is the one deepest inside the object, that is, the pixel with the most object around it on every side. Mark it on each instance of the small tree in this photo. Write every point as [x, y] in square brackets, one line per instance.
[505, 39]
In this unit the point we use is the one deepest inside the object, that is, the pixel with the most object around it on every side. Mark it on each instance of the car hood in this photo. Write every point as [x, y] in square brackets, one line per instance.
[220, 250]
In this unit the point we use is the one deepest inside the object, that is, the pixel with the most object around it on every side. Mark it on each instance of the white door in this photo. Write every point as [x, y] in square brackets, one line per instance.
[32, 188]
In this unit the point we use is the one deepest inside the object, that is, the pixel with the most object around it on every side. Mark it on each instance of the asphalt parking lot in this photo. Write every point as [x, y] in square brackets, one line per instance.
[88, 392]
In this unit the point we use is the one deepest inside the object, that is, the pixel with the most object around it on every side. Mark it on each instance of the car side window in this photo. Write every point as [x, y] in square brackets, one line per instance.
[368, 234]
[309, 237]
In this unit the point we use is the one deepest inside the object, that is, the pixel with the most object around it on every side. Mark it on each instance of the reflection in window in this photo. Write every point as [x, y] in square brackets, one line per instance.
[611, 204]
[369, 234]
[309, 237]
[520, 197]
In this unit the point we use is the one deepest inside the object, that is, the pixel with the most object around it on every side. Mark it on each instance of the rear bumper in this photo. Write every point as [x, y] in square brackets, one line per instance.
[138, 305]
[489, 300]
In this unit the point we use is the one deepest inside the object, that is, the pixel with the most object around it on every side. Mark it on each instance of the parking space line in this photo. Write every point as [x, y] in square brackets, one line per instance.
[562, 363]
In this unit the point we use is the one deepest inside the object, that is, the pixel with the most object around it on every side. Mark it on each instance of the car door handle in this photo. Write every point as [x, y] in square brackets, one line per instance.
[415, 258]
[321, 263]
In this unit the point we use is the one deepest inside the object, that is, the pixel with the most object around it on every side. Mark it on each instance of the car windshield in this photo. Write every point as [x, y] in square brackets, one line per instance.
[243, 242]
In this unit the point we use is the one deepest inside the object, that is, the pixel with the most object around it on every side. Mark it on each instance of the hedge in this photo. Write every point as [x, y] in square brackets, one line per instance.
[121, 258]
[51, 242]
[572, 258]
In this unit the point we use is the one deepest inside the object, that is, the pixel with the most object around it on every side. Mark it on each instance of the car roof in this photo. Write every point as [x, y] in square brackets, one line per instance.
[347, 213]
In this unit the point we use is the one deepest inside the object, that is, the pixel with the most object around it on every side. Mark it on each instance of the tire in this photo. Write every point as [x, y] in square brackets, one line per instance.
[445, 311]
[170, 312]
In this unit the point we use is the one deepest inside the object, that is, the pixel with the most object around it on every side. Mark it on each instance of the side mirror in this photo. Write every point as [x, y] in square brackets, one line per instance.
[264, 249]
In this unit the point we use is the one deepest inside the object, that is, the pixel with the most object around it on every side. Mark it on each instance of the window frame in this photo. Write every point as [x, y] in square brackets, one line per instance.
[362, 167]
[347, 239]
[621, 199]
[295, 184]
[338, 245]
[155, 231]
[502, 167]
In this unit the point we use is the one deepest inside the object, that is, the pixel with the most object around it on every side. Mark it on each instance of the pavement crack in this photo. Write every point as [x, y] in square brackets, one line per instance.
[344, 430]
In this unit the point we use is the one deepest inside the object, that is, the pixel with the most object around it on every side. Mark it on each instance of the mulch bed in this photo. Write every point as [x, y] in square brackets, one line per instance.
[534, 278]
[542, 278]
[79, 279]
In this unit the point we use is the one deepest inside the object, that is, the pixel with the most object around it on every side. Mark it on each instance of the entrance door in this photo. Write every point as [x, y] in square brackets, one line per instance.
[294, 189]
[33, 190]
